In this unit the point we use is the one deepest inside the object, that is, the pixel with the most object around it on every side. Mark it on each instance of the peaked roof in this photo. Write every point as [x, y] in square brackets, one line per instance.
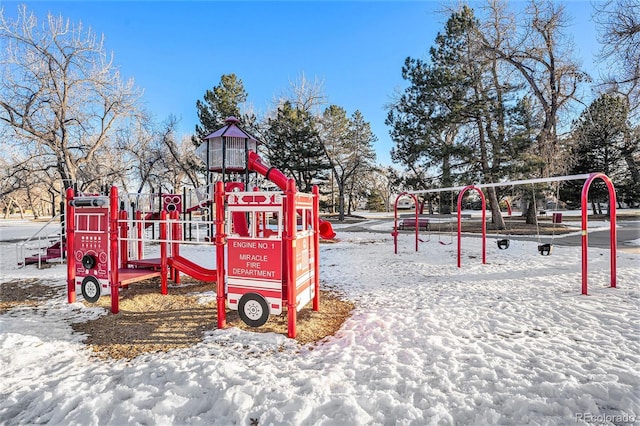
[231, 130]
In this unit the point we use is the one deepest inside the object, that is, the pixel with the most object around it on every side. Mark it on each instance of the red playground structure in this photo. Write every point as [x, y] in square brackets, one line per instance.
[266, 243]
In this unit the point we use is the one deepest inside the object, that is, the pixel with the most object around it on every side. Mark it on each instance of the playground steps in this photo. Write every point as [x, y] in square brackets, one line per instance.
[128, 276]
[53, 252]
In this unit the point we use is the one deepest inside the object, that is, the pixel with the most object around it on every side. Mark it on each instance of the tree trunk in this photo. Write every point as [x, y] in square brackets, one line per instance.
[340, 202]
[633, 166]
[445, 197]
[494, 204]
[529, 213]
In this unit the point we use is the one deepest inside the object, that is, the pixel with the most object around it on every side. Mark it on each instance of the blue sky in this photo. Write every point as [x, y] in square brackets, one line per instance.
[175, 51]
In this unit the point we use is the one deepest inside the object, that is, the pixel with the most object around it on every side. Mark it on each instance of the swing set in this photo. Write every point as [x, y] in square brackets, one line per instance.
[418, 223]
[543, 249]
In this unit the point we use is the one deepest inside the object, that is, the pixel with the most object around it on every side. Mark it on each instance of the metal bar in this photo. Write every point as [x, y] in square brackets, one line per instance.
[220, 241]
[612, 229]
[113, 250]
[484, 223]
[290, 256]
[508, 183]
[71, 262]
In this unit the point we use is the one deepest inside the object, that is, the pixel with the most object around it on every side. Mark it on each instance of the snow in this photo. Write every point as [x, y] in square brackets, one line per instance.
[509, 342]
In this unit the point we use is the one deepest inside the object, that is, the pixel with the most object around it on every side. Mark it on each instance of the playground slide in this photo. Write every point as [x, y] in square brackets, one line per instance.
[276, 176]
[149, 218]
[198, 206]
[240, 224]
[192, 269]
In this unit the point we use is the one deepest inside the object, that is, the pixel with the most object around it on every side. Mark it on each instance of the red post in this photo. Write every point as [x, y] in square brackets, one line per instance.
[290, 237]
[460, 226]
[220, 241]
[139, 227]
[113, 249]
[163, 253]
[613, 241]
[316, 247]
[71, 261]
[484, 223]
[484, 226]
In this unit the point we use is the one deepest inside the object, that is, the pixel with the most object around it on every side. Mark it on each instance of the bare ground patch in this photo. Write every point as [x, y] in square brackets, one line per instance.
[150, 322]
[29, 292]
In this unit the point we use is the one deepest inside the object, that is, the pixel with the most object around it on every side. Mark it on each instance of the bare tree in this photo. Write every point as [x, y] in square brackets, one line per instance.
[619, 32]
[60, 96]
[308, 96]
[542, 56]
[178, 157]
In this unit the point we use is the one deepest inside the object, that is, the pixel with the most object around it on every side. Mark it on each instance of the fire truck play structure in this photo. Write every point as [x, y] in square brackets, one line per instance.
[266, 242]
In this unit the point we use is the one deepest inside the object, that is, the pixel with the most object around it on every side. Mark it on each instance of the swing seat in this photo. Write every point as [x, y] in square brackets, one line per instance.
[544, 249]
[445, 243]
[503, 244]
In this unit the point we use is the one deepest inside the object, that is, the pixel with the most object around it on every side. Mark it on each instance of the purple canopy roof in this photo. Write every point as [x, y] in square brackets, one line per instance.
[231, 130]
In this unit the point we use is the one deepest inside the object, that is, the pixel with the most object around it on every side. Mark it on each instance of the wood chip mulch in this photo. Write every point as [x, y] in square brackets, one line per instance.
[150, 322]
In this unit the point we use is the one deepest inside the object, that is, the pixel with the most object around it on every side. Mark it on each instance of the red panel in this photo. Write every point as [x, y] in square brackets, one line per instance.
[92, 238]
[304, 251]
[255, 259]
[172, 203]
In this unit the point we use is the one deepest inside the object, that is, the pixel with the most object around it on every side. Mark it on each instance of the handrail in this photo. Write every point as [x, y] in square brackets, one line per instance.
[20, 247]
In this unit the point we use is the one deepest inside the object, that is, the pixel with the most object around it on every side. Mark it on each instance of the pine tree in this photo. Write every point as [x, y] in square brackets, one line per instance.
[348, 144]
[431, 112]
[292, 143]
[222, 101]
[601, 144]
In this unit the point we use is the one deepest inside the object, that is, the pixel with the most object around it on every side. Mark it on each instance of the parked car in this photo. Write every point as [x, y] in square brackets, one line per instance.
[406, 203]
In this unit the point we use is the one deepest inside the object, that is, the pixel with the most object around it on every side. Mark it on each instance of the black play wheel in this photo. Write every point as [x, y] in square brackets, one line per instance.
[90, 289]
[253, 309]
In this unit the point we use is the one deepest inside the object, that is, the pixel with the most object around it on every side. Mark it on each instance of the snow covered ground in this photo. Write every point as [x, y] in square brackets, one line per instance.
[509, 342]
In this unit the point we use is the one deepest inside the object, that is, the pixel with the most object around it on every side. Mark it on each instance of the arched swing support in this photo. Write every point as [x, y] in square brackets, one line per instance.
[612, 227]
[395, 220]
[484, 223]
[509, 211]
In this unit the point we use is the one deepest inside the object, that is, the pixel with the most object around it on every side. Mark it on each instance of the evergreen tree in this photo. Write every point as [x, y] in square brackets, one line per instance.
[360, 158]
[334, 132]
[427, 119]
[222, 101]
[348, 144]
[600, 144]
[292, 143]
